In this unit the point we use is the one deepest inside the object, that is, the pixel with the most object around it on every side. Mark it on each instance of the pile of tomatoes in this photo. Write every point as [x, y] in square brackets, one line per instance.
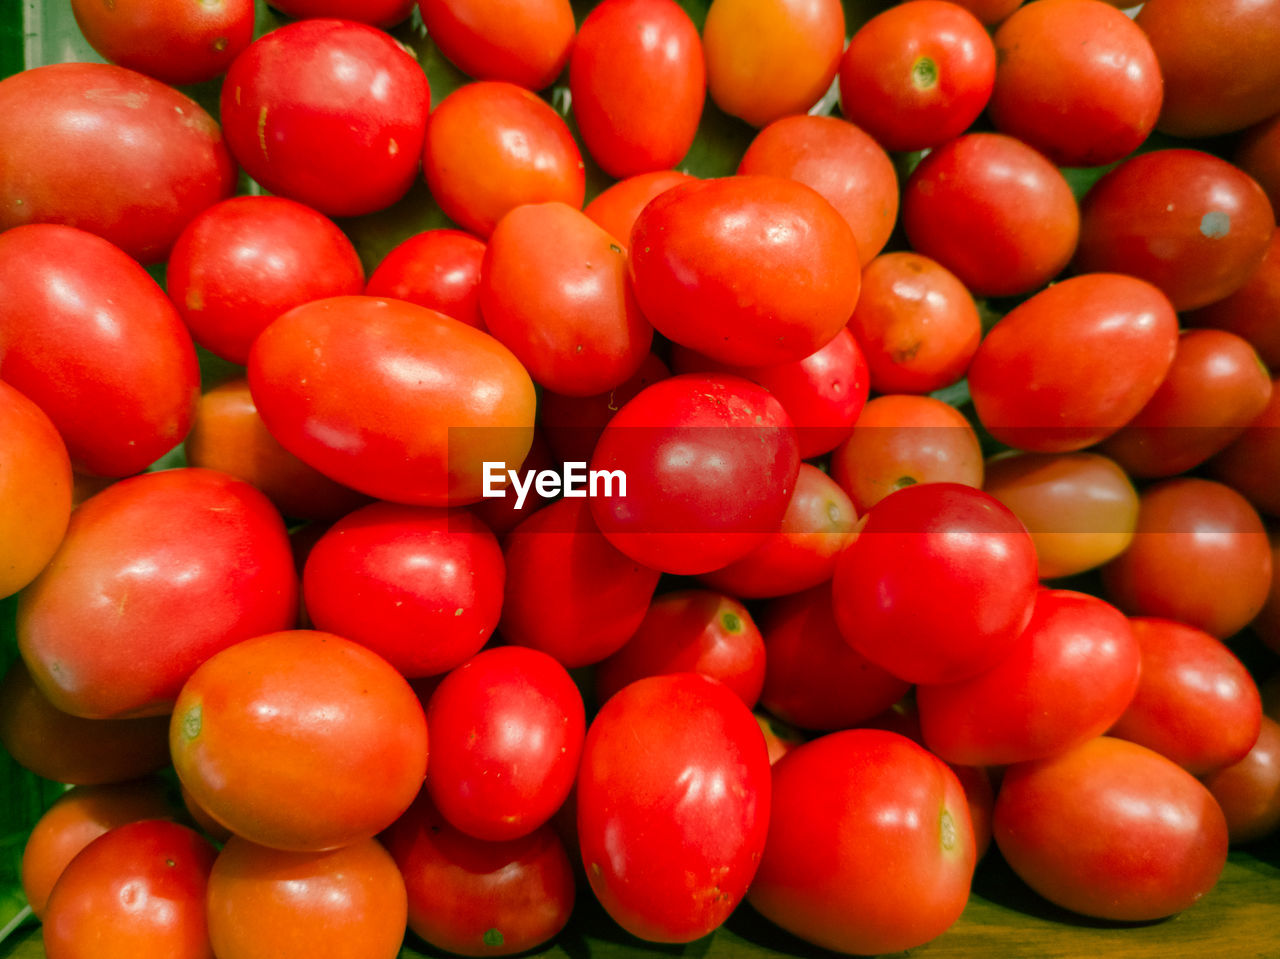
[939, 434]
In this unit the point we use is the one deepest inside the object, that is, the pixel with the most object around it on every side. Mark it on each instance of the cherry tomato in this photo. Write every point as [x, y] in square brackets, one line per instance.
[1258, 154]
[1266, 626]
[1249, 465]
[438, 269]
[572, 424]
[989, 12]
[380, 13]
[616, 207]
[525, 42]
[1249, 791]
[1249, 312]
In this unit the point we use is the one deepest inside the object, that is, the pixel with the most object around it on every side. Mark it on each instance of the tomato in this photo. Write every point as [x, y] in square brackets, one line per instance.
[1266, 626]
[311, 101]
[938, 585]
[491, 147]
[870, 846]
[1258, 154]
[137, 890]
[299, 713]
[1215, 388]
[1196, 704]
[525, 42]
[1111, 829]
[64, 150]
[994, 212]
[1080, 508]
[1071, 674]
[1077, 80]
[76, 818]
[843, 163]
[767, 59]
[380, 13]
[1249, 791]
[817, 526]
[476, 898]
[200, 816]
[918, 74]
[1220, 72]
[815, 680]
[637, 79]
[752, 271]
[693, 631]
[673, 805]
[1249, 311]
[900, 441]
[420, 586]
[500, 513]
[711, 462]
[1074, 363]
[176, 43]
[127, 609]
[1250, 463]
[69, 749]
[569, 592]
[438, 269]
[1199, 555]
[91, 339]
[572, 424]
[615, 208]
[266, 903]
[989, 12]
[392, 399]
[244, 261]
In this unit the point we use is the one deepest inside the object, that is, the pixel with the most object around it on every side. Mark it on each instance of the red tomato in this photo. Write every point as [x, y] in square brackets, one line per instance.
[1250, 311]
[573, 424]
[1074, 363]
[994, 212]
[1249, 791]
[526, 42]
[1266, 626]
[711, 462]
[1258, 154]
[690, 631]
[870, 847]
[751, 271]
[69, 129]
[1196, 705]
[299, 714]
[1199, 556]
[1251, 463]
[137, 890]
[127, 608]
[392, 399]
[266, 904]
[380, 13]
[1077, 80]
[673, 805]
[918, 74]
[844, 164]
[1111, 829]
[310, 102]
[989, 12]
[243, 262]
[491, 147]
[1068, 678]
[637, 79]
[91, 339]
[476, 898]
[938, 585]
[616, 208]
[419, 585]
[1187, 221]
[438, 269]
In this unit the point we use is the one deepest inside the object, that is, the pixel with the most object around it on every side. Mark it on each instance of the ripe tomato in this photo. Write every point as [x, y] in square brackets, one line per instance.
[989, 12]
[616, 207]
[1249, 312]
[380, 13]
[525, 42]
[1258, 154]
[1249, 791]
[438, 269]
[1249, 465]
[572, 424]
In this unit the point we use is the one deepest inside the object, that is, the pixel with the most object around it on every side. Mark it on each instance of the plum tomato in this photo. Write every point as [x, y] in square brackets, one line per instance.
[379, 13]
[1249, 791]
[1250, 311]
[438, 269]
[1258, 154]
[572, 424]
[525, 42]
[990, 12]
[616, 207]
[1252, 462]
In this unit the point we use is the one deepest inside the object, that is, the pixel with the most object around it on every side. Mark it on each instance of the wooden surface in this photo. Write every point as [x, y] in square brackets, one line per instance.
[1239, 919]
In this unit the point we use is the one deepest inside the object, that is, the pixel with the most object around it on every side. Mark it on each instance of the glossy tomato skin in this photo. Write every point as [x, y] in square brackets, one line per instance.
[477, 898]
[380, 13]
[841, 162]
[244, 261]
[91, 339]
[1111, 829]
[713, 272]
[638, 80]
[525, 42]
[711, 462]
[299, 713]
[993, 211]
[1249, 464]
[1249, 312]
[1077, 80]
[137, 890]
[421, 586]
[1249, 791]
[1258, 154]
[438, 269]
[1071, 674]
[918, 74]
[668, 855]
[185, 561]
[309, 102]
[61, 159]
[367, 390]
[616, 207]
[870, 848]
[1096, 347]
[492, 146]
[905, 588]
[1184, 220]
[990, 12]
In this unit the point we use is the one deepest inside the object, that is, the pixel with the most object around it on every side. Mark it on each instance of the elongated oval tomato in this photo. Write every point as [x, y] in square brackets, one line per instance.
[438, 269]
[525, 42]
[673, 805]
[380, 13]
